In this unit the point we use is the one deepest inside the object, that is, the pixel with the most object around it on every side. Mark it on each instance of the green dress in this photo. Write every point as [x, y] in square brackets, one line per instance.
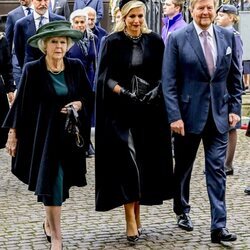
[59, 194]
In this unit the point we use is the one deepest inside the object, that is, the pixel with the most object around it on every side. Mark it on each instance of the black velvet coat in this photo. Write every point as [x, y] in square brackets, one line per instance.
[39, 125]
[6, 85]
[124, 174]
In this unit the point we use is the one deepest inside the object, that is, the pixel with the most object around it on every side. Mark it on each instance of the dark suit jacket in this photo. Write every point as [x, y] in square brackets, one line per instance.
[97, 5]
[61, 7]
[188, 89]
[23, 30]
[12, 17]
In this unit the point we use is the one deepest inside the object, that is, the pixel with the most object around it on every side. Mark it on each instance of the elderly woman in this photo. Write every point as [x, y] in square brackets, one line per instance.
[7, 86]
[44, 156]
[131, 120]
[86, 49]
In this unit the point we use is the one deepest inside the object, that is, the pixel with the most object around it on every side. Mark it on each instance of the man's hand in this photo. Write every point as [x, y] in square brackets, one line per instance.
[233, 119]
[178, 127]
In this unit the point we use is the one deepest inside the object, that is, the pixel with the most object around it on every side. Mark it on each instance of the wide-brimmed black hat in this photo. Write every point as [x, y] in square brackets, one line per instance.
[53, 29]
[123, 2]
[227, 8]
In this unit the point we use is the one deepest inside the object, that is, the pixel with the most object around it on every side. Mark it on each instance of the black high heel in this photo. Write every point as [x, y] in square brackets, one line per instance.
[47, 236]
[133, 238]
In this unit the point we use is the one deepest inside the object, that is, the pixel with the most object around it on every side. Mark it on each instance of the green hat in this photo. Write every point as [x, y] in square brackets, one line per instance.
[53, 29]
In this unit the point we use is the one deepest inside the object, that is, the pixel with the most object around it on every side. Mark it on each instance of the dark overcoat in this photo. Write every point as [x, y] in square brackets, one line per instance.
[37, 119]
[120, 177]
[6, 85]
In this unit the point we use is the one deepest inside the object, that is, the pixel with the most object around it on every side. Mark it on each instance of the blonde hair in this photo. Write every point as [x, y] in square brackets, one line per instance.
[235, 17]
[43, 41]
[120, 26]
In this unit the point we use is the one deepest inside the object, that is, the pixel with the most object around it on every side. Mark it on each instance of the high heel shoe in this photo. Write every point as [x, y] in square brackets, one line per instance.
[47, 236]
[139, 231]
[133, 238]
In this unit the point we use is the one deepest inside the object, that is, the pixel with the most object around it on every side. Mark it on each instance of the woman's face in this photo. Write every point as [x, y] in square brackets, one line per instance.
[56, 47]
[223, 19]
[118, 16]
[134, 21]
[79, 23]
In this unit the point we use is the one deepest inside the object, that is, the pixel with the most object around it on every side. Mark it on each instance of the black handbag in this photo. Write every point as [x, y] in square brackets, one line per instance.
[248, 130]
[72, 125]
[139, 86]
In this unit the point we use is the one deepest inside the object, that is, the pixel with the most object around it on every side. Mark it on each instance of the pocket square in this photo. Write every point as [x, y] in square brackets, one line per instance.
[228, 51]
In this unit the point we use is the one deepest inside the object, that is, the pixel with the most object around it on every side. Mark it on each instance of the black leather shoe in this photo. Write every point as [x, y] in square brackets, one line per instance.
[222, 234]
[184, 222]
[229, 170]
[47, 236]
[247, 190]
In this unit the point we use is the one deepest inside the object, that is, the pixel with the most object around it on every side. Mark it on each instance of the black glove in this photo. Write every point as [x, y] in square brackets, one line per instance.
[130, 97]
[152, 96]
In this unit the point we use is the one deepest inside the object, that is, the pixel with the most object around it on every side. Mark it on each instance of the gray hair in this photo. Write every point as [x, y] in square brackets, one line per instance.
[120, 26]
[43, 41]
[88, 10]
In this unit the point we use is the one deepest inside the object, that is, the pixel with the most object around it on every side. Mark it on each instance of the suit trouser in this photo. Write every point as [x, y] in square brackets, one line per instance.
[186, 147]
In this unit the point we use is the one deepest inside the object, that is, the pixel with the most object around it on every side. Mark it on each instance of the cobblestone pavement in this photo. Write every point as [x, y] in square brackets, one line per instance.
[21, 216]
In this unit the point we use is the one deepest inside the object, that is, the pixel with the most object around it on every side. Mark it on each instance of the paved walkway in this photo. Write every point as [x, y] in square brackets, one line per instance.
[21, 216]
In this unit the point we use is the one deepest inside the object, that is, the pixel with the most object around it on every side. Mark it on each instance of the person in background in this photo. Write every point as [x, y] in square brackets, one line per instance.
[118, 15]
[60, 7]
[7, 86]
[13, 16]
[173, 18]
[97, 30]
[247, 189]
[86, 50]
[227, 17]
[97, 5]
[27, 26]
[131, 121]
[44, 156]
[202, 90]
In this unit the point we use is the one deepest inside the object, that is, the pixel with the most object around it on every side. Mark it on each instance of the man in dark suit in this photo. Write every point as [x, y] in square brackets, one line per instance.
[202, 91]
[97, 5]
[60, 7]
[13, 16]
[27, 26]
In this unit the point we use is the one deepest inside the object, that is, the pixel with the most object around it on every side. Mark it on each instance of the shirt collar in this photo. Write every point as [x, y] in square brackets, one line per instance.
[37, 16]
[210, 29]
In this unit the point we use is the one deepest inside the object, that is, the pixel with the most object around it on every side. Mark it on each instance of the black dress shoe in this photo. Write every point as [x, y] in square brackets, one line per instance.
[247, 190]
[47, 236]
[229, 170]
[133, 238]
[222, 234]
[184, 222]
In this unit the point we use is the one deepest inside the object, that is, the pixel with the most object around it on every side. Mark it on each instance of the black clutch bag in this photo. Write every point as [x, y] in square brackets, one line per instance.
[139, 86]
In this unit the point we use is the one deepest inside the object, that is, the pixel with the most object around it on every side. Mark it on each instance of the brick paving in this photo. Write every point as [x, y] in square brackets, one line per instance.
[21, 216]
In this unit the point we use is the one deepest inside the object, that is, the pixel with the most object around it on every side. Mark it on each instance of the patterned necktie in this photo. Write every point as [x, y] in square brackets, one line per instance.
[28, 10]
[41, 21]
[208, 52]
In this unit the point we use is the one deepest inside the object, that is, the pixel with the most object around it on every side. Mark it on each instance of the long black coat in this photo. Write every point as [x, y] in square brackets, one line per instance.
[36, 117]
[147, 175]
[6, 85]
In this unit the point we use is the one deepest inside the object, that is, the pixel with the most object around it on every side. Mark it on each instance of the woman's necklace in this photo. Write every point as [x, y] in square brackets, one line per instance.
[55, 72]
[132, 37]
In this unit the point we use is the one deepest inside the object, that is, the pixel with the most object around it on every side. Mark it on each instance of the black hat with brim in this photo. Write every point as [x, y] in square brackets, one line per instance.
[123, 2]
[54, 29]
